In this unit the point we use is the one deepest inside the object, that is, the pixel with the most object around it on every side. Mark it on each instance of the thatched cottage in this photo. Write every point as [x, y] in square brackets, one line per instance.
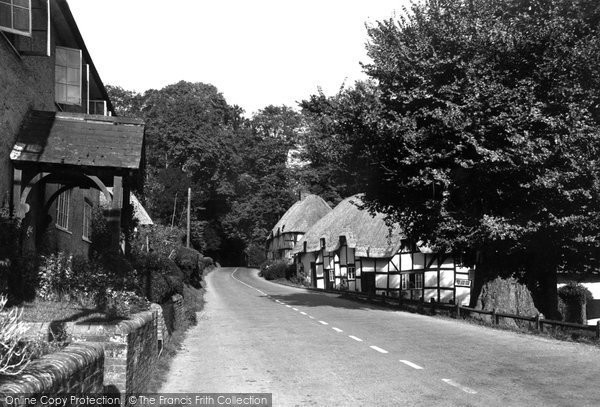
[350, 249]
[293, 224]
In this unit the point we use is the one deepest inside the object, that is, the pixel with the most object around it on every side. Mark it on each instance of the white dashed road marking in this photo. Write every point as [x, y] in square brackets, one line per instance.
[311, 317]
[323, 322]
[303, 313]
[355, 338]
[337, 329]
[289, 306]
[378, 349]
[295, 309]
[411, 364]
[459, 386]
[247, 285]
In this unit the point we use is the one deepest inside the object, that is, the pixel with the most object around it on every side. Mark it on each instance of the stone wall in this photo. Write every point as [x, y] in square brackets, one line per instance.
[79, 368]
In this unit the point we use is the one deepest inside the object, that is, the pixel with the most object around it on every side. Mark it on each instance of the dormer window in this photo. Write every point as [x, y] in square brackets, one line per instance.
[67, 83]
[15, 16]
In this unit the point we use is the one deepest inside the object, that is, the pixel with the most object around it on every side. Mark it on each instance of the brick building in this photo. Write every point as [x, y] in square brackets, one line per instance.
[60, 144]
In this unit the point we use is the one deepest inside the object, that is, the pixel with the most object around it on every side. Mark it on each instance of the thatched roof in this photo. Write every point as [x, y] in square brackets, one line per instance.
[302, 215]
[367, 234]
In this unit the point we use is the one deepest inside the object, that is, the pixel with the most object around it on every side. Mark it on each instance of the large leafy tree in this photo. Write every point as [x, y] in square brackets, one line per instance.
[190, 142]
[483, 133]
[236, 167]
[336, 162]
[265, 184]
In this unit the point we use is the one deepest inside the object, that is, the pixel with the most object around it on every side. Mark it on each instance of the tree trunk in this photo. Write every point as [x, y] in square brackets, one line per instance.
[548, 293]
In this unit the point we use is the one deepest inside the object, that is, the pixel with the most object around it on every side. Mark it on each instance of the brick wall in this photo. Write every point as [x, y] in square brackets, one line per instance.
[174, 313]
[25, 83]
[130, 348]
[179, 311]
[79, 368]
[162, 332]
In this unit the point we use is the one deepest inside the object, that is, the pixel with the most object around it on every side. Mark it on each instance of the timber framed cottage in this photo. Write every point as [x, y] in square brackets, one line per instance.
[350, 249]
[60, 144]
[293, 225]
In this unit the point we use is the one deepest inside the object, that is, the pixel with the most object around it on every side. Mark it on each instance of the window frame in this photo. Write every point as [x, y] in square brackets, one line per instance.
[86, 227]
[351, 272]
[11, 4]
[95, 102]
[412, 281]
[63, 209]
[66, 84]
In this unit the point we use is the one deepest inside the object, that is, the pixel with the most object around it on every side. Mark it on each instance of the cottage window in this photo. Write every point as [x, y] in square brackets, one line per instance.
[63, 204]
[331, 275]
[351, 272]
[67, 82]
[412, 281]
[98, 107]
[87, 221]
[15, 16]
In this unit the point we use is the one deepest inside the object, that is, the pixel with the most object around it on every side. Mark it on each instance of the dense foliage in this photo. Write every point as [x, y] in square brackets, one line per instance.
[15, 352]
[273, 270]
[478, 132]
[235, 167]
[575, 292]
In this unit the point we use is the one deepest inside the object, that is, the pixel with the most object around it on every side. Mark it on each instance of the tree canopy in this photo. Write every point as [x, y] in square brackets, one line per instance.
[479, 132]
[236, 167]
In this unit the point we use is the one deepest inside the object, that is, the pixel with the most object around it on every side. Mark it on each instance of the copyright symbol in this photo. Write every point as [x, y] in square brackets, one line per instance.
[132, 400]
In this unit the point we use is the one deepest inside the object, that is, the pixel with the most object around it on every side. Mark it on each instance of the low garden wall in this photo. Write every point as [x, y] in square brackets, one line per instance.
[130, 348]
[78, 368]
[173, 313]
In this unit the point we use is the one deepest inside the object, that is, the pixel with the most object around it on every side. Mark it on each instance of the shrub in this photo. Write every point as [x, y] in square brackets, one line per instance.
[121, 304]
[206, 262]
[55, 276]
[160, 277]
[162, 240]
[572, 300]
[192, 264]
[574, 292]
[22, 278]
[18, 272]
[119, 272]
[274, 270]
[14, 350]
[10, 231]
[256, 254]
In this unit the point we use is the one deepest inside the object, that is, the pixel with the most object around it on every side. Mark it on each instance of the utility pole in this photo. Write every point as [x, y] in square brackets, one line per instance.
[174, 207]
[188, 216]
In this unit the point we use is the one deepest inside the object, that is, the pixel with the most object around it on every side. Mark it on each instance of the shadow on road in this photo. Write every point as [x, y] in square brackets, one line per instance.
[315, 299]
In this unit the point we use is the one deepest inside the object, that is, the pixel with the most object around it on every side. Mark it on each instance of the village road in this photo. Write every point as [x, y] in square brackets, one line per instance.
[310, 348]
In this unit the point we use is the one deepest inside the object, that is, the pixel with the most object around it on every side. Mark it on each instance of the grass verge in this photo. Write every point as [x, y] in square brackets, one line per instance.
[193, 302]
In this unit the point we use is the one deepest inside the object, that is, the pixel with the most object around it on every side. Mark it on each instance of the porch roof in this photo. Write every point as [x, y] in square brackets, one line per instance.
[80, 140]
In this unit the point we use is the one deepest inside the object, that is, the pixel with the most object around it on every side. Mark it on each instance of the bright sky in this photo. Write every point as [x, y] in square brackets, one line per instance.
[256, 52]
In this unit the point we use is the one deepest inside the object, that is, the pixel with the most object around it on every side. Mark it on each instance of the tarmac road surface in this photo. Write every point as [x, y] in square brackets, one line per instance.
[315, 349]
